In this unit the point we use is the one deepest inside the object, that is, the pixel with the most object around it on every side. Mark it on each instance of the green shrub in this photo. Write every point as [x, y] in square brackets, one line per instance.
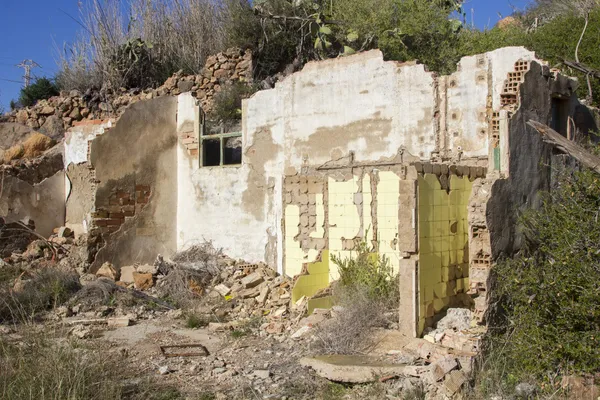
[548, 315]
[368, 270]
[227, 104]
[42, 88]
[194, 320]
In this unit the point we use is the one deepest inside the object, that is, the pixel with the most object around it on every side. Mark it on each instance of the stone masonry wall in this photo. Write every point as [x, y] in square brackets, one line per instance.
[60, 113]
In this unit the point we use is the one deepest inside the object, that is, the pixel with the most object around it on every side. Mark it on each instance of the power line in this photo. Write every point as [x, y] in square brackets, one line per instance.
[27, 65]
[10, 80]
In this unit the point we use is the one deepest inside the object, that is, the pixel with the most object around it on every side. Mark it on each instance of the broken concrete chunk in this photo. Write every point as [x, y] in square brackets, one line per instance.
[64, 232]
[454, 382]
[147, 269]
[351, 369]
[249, 293]
[143, 281]
[301, 332]
[127, 274]
[275, 328]
[222, 290]
[262, 373]
[262, 297]
[107, 270]
[164, 370]
[81, 332]
[441, 368]
[119, 322]
[252, 280]
[458, 319]
[279, 312]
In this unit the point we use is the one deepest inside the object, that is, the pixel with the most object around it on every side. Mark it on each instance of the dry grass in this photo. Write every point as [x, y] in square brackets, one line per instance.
[39, 368]
[360, 311]
[189, 273]
[34, 146]
[181, 34]
[47, 288]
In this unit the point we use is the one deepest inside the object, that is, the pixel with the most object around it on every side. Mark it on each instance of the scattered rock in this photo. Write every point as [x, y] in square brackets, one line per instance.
[252, 280]
[525, 390]
[81, 332]
[107, 270]
[222, 290]
[118, 322]
[351, 369]
[127, 274]
[143, 281]
[147, 269]
[164, 370]
[262, 373]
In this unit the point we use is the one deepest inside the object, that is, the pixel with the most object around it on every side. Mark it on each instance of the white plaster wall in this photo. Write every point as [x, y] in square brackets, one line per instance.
[76, 142]
[358, 104]
[502, 62]
[211, 203]
[467, 126]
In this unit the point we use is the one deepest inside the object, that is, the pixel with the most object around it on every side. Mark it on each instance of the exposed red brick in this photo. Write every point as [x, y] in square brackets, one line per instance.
[125, 202]
[100, 214]
[90, 122]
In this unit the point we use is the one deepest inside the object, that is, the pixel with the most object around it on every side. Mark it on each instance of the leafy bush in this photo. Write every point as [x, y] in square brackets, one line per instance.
[41, 89]
[554, 41]
[368, 270]
[549, 297]
[404, 30]
[227, 104]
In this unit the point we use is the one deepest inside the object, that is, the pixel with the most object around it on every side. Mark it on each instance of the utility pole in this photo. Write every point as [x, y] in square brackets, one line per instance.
[27, 65]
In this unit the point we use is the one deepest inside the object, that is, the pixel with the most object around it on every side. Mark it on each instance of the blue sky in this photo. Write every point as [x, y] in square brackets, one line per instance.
[36, 29]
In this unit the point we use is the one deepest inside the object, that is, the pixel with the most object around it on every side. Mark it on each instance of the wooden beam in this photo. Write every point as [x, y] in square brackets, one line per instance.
[566, 146]
[582, 68]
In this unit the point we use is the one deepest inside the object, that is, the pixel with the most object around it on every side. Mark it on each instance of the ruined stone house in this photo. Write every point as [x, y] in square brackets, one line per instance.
[432, 170]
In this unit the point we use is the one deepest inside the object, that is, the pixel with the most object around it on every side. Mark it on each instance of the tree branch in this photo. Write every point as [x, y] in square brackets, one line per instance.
[566, 146]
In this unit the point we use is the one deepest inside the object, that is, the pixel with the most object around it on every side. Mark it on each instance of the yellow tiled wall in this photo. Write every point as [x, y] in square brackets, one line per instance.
[344, 220]
[388, 190]
[343, 212]
[443, 245]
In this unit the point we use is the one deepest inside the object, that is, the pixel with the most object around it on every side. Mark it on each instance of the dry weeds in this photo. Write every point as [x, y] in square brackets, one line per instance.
[189, 273]
[181, 35]
[349, 332]
[34, 146]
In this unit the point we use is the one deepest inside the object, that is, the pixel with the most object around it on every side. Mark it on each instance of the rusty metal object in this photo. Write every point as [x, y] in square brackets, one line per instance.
[204, 351]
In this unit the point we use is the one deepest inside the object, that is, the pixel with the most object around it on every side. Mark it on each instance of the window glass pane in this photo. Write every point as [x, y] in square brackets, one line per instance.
[211, 152]
[232, 150]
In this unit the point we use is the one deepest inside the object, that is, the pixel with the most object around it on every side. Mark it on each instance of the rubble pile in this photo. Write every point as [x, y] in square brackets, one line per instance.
[57, 114]
[234, 292]
[440, 364]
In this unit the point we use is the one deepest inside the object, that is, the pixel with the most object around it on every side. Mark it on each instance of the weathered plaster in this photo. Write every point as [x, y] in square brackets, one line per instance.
[138, 157]
[43, 202]
[78, 138]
